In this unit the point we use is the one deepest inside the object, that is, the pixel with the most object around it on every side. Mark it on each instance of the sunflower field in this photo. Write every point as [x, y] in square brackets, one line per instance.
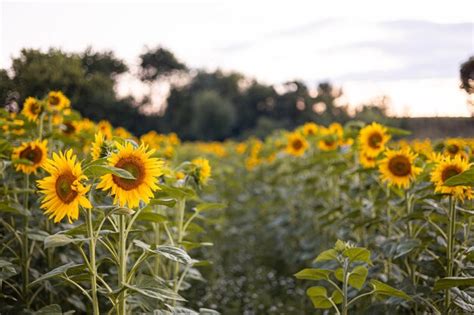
[331, 219]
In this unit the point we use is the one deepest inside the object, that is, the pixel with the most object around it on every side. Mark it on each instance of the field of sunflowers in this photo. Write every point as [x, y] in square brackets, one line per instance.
[331, 219]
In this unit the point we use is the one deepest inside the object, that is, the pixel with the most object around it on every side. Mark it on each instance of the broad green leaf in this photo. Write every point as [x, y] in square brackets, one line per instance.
[53, 309]
[450, 282]
[161, 294]
[313, 274]
[358, 254]
[406, 246]
[398, 132]
[330, 254]
[337, 297]
[357, 277]
[207, 206]
[7, 270]
[56, 272]
[57, 240]
[100, 170]
[466, 178]
[340, 246]
[381, 288]
[13, 209]
[170, 252]
[318, 296]
[163, 202]
[178, 192]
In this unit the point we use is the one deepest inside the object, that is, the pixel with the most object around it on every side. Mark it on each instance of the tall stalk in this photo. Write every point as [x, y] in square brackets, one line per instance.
[345, 281]
[450, 248]
[92, 262]
[122, 271]
[25, 257]
[181, 204]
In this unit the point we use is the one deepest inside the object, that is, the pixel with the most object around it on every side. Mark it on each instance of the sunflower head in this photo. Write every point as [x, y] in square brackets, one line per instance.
[367, 161]
[145, 170]
[373, 138]
[105, 128]
[297, 145]
[56, 100]
[35, 152]
[329, 139]
[447, 167]
[63, 189]
[32, 108]
[310, 129]
[398, 168]
[202, 170]
[99, 147]
[454, 147]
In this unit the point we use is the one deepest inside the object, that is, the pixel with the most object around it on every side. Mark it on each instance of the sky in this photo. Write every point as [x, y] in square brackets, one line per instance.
[408, 50]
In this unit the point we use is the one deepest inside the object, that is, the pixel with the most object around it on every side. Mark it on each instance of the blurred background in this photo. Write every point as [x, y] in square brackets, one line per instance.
[211, 70]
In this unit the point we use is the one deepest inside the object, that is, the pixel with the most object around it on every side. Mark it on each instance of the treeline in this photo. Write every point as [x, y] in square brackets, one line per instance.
[201, 104]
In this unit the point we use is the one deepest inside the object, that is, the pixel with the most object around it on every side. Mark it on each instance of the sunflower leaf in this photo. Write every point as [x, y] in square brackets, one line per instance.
[100, 170]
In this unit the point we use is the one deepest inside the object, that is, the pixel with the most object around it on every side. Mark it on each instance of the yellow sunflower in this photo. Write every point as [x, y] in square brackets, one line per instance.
[297, 145]
[63, 191]
[367, 161]
[447, 167]
[98, 147]
[145, 169]
[373, 138]
[203, 170]
[34, 151]
[398, 167]
[310, 129]
[106, 128]
[57, 100]
[454, 147]
[32, 108]
[329, 140]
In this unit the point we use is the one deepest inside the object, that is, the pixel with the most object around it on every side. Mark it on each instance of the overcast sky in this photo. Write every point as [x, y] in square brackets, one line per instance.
[408, 50]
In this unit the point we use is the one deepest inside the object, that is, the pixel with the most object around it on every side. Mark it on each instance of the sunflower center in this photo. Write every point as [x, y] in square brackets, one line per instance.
[399, 165]
[450, 171]
[135, 167]
[54, 100]
[374, 140]
[64, 187]
[453, 149]
[33, 155]
[69, 128]
[297, 144]
[35, 108]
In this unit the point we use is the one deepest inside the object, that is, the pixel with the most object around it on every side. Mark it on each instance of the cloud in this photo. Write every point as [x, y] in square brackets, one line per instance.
[424, 49]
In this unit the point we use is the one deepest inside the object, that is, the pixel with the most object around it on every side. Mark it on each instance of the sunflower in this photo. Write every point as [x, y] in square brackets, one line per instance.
[145, 170]
[367, 161]
[99, 150]
[202, 171]
[447, 167]
[454, 147]
[122, 133]
[57, 100]
[63, 191]
[32, 108]
[310, 129]
[35, 151]
[297, 145]
[398, 167]
[329, 140]
[106, 128]
[373, 138]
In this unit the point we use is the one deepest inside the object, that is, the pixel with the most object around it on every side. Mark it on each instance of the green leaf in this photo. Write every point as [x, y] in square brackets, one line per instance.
[451, 282]
[13, 209]
[357, 277]
[313, 274]
[330, 254]
[53, 309]
[57, 240]
[161, 294]
[207, 206]
[398, 131]
[340, 246]
[466, 178]
[100, 170]
[163, 202]
[170, 252]
[318, 296]
[358, 254]
[337, 297]
[406, 247]
[381, 288]
[56, 272]
[151, 217]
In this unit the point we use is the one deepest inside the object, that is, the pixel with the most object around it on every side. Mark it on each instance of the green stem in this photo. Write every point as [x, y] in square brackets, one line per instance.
[450, 249]
[122, 272]
[25, 257]
[180, 224]
[92, 264]
[156, 229]
[345, 286]
[411, 264]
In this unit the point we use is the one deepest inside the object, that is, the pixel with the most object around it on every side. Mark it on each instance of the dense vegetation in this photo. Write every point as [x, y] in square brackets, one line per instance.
[346, 218]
